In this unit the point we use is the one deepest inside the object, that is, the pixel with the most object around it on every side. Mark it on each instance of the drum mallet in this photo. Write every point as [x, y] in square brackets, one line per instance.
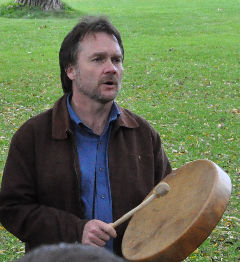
[159, 190]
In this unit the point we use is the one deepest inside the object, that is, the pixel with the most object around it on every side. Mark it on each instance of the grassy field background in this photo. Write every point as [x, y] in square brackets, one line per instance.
[182, 73]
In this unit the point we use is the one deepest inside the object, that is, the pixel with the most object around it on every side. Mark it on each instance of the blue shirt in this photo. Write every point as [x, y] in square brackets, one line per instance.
[93, 159]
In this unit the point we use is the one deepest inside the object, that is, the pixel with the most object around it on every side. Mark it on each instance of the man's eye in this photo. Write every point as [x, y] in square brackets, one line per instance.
[117, 60]
[98, 59]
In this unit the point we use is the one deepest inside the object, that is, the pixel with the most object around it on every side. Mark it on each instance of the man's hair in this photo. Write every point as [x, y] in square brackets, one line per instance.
[69, 252]
[70, 46]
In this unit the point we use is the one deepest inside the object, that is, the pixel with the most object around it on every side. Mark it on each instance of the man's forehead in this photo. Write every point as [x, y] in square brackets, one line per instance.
[89, 41]
[95, 35]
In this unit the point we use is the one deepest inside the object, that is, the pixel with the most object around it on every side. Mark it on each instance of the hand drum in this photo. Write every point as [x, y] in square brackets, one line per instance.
[170, 228]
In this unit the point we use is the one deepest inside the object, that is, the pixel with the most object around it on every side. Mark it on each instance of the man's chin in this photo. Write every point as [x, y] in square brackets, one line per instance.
[108, 96]
[105, 100]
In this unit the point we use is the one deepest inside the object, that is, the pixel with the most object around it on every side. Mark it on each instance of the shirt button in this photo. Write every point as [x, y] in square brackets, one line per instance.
[102, 196]
[100, 169]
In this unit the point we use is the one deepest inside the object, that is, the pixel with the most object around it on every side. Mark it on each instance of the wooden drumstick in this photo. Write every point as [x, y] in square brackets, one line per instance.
[159, 190]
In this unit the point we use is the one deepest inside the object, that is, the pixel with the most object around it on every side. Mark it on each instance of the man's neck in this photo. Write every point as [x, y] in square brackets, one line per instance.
[92, 113]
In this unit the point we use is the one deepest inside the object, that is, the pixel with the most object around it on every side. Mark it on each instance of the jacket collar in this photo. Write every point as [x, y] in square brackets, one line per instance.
[126, 119]
[61, 125]
[61, 122]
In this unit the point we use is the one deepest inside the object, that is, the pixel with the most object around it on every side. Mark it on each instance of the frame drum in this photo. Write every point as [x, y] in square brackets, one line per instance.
[171, 227]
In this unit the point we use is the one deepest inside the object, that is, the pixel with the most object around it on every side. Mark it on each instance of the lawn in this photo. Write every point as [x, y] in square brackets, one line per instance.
[182, 73]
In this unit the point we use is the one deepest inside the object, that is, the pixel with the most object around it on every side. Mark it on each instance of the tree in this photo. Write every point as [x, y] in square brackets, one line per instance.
[43, 4]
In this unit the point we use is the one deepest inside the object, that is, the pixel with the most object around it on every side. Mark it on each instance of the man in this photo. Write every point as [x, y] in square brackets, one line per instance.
[84, 163]
[69, 253]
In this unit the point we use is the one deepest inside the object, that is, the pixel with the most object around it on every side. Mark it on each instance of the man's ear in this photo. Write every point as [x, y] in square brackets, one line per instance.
[71, 72]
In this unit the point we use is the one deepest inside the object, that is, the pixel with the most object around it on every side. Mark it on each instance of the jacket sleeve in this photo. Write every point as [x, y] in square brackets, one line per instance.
[161, 162]
[21, 212]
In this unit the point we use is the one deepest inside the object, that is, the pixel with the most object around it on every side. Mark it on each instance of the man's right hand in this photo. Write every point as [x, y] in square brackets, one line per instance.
[97, 233]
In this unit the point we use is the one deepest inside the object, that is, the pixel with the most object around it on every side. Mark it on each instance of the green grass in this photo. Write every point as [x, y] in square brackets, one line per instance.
[182, 67]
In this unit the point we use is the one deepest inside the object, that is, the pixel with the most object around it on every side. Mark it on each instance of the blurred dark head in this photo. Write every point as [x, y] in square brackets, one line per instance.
[72, 43]
[69, 253]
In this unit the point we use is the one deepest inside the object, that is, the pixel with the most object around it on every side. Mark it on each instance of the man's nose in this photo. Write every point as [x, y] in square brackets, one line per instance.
[110, 67]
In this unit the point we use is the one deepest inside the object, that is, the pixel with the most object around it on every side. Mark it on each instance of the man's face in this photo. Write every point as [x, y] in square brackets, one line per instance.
[98, 73]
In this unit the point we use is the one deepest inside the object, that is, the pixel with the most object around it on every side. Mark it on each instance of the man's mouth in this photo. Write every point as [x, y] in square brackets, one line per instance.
[110, 83]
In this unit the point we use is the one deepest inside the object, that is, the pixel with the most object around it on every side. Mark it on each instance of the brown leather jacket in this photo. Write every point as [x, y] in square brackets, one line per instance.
[40, 201]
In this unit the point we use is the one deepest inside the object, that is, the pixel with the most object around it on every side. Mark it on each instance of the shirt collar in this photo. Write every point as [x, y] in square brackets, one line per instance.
[74, 117]
[61, 121]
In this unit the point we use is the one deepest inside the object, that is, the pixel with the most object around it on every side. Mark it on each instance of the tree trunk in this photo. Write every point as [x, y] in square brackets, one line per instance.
[44, 4]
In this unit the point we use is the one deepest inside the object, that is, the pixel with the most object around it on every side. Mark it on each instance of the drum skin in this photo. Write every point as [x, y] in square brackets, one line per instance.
[171, 227]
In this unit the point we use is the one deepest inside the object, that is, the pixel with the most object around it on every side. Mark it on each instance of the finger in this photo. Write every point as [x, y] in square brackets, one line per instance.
[100, 230]
[98, 234]
[93, 240]
[91, 244]
[97, 241]
[109, 230]
[94, 233]
[103, 235]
